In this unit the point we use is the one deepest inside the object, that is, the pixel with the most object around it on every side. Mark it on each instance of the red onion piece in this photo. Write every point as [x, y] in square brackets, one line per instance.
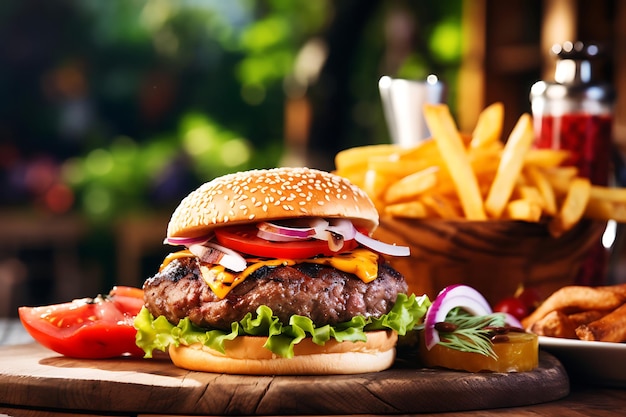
[276, 237]
[451, 297]
[186, 241]
[382, 247]
[343, 227]
[229, 258]
[297, 229]
[512, 321]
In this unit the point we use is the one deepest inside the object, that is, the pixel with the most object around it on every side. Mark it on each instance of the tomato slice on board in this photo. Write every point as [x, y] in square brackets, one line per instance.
[127, 299]
[245, 240]
[94, 328]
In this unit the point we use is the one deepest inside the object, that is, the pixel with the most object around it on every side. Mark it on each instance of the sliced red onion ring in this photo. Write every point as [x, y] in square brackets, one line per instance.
[334, 231]
[512, 321]
[186, 241]
[451, 297]
[335, 241]
[381, 247]
[276, 237]
[229, 258]
[343, 227]
[302, 229]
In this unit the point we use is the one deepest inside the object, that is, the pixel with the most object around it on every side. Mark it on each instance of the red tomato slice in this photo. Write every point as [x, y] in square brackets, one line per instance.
[127, 299]
[100, 327]
[245, 240]
[127, 291]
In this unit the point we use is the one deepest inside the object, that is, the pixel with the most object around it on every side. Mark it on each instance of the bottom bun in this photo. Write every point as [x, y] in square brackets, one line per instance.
[246, 355]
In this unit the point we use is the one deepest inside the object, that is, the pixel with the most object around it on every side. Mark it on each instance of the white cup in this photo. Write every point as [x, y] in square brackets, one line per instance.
[403, 101]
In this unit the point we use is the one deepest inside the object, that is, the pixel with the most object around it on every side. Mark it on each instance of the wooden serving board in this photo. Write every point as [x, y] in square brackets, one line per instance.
[32, 376]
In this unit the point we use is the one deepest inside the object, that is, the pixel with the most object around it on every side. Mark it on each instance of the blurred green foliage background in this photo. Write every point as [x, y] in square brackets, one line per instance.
[109, 108]
[137, 101]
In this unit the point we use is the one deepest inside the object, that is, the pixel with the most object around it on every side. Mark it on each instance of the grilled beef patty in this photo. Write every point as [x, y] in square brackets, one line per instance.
[322, 293]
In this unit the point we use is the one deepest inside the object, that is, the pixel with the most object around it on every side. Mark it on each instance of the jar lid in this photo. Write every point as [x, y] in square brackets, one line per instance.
[574, 61]
[574, 75]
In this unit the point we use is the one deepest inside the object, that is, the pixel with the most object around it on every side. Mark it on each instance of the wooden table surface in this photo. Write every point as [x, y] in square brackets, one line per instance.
[583, 399]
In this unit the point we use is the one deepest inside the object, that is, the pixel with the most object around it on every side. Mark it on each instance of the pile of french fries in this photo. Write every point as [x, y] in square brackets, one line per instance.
[581, 312]
[479, 176]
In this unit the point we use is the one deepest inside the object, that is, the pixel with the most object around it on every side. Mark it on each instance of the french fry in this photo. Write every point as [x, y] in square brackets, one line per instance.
[488, 128]
[441, 205]
[538, 179]
[453, 152]
[510, 166]
[605, 210]
[586, 317]
[523, 209]
[546, 158]
[397, 167]
[575, 298]
[425, 150]
[412, 185]
[413, 210]
[573, 207]
[531, 194]
[478, 177]
[560, 178]
[610, 328]
[612, 194]
[581, 312]
[375, 185]
[352, 158]
[555, 324]
[484, 162]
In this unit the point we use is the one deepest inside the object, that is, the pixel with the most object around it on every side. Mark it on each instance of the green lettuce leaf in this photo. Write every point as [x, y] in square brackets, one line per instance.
[158, 334]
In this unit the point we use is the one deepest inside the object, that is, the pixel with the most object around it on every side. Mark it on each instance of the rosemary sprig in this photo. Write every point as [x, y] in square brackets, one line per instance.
[471, 333]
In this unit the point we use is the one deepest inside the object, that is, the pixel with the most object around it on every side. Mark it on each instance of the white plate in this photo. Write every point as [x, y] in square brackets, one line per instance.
[595, 362]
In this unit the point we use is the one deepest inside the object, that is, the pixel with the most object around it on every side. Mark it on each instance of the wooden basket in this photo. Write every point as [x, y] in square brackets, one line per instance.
[494, 257]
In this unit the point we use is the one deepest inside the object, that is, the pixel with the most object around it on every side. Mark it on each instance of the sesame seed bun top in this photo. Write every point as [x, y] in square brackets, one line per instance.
[271, 194]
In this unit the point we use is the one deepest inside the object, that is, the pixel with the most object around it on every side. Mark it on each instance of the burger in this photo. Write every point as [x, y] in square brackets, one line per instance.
[276, 273]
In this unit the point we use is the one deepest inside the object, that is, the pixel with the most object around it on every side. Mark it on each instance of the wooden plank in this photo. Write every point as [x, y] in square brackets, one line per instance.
[31, 376]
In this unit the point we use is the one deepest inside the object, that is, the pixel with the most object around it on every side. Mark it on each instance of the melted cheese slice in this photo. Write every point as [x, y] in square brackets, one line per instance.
[361, 262]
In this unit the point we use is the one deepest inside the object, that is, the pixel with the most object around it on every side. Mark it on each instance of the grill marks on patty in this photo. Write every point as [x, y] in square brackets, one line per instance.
[322, 293]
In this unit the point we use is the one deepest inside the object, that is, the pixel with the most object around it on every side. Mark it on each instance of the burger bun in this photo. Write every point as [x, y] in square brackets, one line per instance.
[271, 194]
[246, 355]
